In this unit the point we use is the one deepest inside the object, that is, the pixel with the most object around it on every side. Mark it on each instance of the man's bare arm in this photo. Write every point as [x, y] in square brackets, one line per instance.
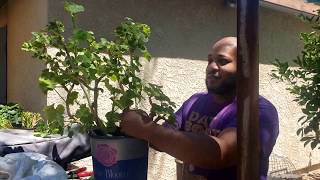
[198, 149]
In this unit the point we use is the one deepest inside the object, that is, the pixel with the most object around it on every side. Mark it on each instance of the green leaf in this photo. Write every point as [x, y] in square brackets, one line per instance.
[54, 114]
[301, 118]
[314, 144]
[55, 118]
[80, 35]
[306, 138]
[72, 97]
[85, 116]
[73, 8]
[299, 131]
[306, 142]
[147, 55]
[112, 117]
[114, 77]
[146, 29]
[46, 84]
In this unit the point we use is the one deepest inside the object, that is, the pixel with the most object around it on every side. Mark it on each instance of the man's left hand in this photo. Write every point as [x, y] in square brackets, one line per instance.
[136, 123]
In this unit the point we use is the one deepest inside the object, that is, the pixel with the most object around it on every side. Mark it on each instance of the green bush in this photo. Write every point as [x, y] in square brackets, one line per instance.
[5, 123]
[304, 82]
[11, 113]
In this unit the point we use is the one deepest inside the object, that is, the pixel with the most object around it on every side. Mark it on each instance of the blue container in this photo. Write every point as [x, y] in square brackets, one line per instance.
[119, 158]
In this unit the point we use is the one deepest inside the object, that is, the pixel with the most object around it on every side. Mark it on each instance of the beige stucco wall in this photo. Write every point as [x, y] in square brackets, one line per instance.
[181, 34]
[23, 71]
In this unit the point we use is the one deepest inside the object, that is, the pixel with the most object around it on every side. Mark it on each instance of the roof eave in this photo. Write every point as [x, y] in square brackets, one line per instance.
[285, 9]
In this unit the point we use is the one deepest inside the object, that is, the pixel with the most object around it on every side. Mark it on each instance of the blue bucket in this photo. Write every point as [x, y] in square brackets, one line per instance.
[119, 158]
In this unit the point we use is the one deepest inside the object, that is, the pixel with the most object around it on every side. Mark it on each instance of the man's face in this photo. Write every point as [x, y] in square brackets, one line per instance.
[222, 67]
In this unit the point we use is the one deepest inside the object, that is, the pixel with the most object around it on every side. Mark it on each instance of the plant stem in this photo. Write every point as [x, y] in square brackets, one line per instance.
[95, 103]
[73, 19]
[152, 114]
[87, 86]
[60, 96]
[66, 100]
[121, 87]
[86, 94]
[68, 104]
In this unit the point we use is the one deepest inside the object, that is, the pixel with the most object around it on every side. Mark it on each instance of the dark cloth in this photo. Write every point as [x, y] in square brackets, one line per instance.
[61, 149]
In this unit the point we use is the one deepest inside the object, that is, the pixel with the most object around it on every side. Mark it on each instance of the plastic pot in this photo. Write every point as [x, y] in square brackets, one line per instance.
[119, 157]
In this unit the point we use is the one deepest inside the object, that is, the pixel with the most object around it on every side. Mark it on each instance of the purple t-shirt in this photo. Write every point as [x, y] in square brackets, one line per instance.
[200, 113]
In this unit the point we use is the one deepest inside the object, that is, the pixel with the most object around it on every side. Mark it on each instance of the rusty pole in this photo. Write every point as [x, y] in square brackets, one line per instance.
[248, 89]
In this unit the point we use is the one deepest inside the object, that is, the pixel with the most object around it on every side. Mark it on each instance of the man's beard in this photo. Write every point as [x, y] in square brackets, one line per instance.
[226, 88]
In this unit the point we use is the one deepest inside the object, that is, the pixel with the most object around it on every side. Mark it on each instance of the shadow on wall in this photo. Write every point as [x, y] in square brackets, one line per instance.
[187, 28]
[180, 29]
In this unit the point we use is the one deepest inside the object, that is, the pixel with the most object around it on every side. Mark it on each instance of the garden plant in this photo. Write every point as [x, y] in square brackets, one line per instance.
[97, 66]
[303, 80]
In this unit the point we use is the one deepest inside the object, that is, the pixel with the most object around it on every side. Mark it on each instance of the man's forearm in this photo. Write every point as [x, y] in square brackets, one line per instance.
[197, 149]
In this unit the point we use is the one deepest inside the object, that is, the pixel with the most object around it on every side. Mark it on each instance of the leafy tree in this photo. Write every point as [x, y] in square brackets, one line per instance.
[304, 82]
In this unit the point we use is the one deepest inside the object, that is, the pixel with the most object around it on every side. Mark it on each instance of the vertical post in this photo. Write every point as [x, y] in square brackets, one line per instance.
[3, 65]
[248, 89]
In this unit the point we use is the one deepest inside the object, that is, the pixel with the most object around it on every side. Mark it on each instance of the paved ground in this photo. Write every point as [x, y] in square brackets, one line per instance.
[313, 175]
[87, 162]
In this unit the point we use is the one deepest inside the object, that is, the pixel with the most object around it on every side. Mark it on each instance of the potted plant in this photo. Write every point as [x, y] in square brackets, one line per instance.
[303, 82]
[98, 67]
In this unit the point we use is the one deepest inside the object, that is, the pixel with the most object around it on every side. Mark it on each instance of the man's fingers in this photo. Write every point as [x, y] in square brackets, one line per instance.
[213, 132]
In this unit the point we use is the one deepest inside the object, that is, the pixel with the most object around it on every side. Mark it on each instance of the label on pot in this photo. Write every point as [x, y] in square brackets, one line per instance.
[119, 159]
[106, 155]
[132, 169]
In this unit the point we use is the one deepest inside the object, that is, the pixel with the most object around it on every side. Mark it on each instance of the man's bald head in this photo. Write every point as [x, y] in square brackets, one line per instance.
[226, 41]
[222, 67]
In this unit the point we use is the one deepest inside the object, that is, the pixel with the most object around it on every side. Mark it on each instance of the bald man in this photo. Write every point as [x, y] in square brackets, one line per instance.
[205, 136]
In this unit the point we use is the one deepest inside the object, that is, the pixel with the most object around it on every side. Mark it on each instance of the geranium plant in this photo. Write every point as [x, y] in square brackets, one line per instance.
[97, 66]
[303, 81]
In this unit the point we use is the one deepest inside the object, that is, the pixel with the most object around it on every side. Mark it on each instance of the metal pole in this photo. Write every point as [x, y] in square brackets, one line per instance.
[248, 89]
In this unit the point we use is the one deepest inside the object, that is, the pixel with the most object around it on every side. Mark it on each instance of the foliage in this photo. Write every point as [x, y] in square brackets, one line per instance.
[5, 123]
[304, 82]
[30, 119]
[11, 114]
[95, 65]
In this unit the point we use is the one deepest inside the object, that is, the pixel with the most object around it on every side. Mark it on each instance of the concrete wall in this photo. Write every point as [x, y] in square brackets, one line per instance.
[182, 32]
[23, 71]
